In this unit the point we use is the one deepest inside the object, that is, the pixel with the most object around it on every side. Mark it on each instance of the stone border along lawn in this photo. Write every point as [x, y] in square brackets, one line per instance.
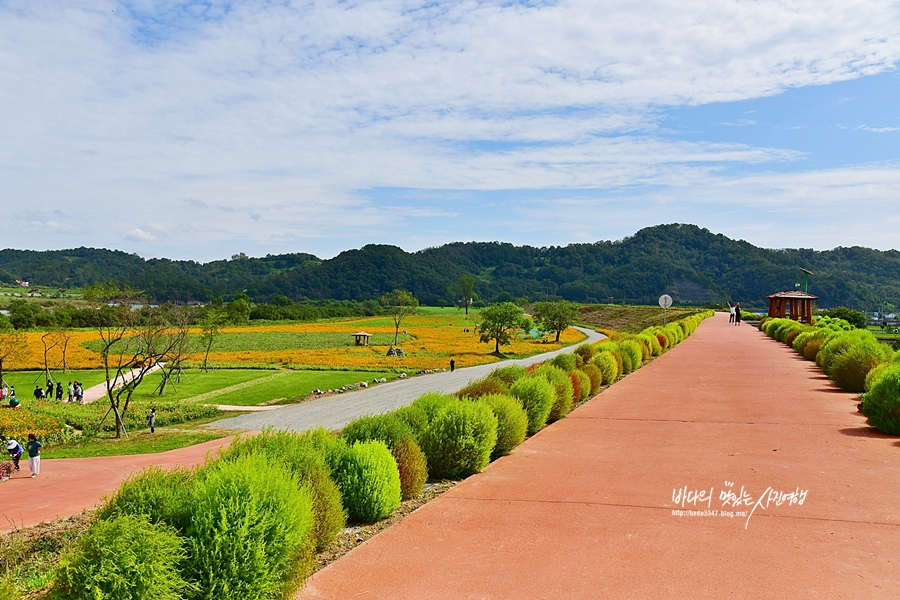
[253, 579]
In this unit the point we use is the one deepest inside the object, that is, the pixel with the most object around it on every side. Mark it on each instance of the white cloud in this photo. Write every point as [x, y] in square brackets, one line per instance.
[259, 123]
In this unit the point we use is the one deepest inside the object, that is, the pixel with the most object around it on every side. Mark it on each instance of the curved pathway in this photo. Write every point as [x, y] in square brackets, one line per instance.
[587, 507]
[333, 412]
[67, 486]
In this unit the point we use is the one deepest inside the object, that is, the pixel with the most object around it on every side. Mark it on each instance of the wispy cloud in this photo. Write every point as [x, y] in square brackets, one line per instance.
[260, 123]
[878, 129]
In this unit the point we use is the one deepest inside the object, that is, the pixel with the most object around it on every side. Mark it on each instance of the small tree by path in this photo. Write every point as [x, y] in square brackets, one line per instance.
[211, 325]
[49, 341]
[466, 284]
[180, 318]
[497, 320]
[556, 316]
[399, 304]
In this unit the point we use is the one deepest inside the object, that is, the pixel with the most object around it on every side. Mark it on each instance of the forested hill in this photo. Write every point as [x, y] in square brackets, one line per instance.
[691, 264]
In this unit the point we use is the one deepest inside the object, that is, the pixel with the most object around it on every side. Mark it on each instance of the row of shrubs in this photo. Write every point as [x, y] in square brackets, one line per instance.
[249, 524]
[853, 359]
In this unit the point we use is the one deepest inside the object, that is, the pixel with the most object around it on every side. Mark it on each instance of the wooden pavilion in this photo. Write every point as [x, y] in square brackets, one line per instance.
[792, 304]
[361, 338]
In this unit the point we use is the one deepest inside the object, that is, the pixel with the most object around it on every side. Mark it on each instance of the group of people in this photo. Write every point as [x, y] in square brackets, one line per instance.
[15, 450]
[735, 313]
[75, 392]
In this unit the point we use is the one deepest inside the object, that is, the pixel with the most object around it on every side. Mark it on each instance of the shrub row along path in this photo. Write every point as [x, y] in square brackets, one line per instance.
[67, 486]
[584, 509]
[337, 410]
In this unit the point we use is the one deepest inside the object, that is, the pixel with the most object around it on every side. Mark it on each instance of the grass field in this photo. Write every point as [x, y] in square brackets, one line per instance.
[138, 442]
[24, 381]
[295, 385]
[630, 319]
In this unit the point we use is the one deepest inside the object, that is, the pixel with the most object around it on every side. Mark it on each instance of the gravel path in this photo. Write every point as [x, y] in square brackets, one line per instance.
[333, 412]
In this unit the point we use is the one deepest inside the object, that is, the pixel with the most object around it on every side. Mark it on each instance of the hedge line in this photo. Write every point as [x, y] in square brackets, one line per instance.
[853, 359]
[248, 524]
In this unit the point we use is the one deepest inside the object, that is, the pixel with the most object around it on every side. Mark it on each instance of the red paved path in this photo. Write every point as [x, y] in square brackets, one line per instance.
[67, 486]
[584, 509]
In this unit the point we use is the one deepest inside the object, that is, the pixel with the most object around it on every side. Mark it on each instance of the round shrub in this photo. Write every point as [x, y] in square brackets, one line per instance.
[460, 439]
[635, 353]
[369, 481]
[512, 422]
[595, 375]
[565, 395]
[677, 332]
[415, 417]
[652, 343]
[399, 437]
[581, 385]
[850, 367]
[608, 366]
[299, 455]
[799, 343]
[536, 395]
[412, 466]
[432, 403]
[840, 343]
[123, 558]
[509, 374]
[250, 530]
[160, 496]
[482, 387]
[815, 344]
[564, 362]
[586, 352]
[386, 428]
[881, 404]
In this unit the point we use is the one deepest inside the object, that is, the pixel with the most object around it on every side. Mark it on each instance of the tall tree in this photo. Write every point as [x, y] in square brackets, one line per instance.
[556, 316]
[497, 320]
[134, 342]
[466, 284]
[210, 324]
[399, 304]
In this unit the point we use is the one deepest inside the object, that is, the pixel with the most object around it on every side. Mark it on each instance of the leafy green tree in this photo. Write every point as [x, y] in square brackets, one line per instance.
[854, 317]
[399, 304]
[556, 316]
[466, 284]
[238, 310]
[497, 320]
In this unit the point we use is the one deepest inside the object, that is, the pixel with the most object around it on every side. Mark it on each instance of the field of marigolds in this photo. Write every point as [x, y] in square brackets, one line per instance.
[429, 340]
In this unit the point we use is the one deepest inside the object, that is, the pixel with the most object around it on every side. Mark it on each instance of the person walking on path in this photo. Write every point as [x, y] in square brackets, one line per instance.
[59, 390]
[151, 420]
[731, 311]
[15, 450]
[71, 393]
[49, 393]
[452, 365]
[34, 454]
[737, 313]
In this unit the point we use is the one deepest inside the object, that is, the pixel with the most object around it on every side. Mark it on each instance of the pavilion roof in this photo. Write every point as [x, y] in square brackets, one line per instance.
[362, 333]
[793, 294]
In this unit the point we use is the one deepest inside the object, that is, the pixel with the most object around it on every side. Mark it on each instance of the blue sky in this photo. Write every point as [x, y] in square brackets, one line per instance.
[202, 129]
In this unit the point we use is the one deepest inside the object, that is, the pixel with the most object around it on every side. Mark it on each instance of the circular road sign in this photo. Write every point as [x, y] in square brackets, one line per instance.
[665, 301]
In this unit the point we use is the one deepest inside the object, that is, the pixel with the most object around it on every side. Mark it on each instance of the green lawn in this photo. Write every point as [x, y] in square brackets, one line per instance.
[195, 382]
[294, 386]
[24, 381]
[138, 442]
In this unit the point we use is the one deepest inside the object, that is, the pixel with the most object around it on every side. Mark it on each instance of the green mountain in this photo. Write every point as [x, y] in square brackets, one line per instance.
[690, 263]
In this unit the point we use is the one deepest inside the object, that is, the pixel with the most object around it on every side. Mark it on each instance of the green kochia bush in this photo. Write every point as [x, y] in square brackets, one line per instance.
[850, 367]
[250, 530]
[460, 439]
[564, 362]
[482, 387]
[509, 374]
[369, 480]
[595, 375]
[586, 352]
[123, 558]
[881, 404]
[298, 453]
[608, 366]
[536, 395]
[432, 403]
[512, 422]
[635, 354]
[160, 496]
[564, 392]
[392, 431]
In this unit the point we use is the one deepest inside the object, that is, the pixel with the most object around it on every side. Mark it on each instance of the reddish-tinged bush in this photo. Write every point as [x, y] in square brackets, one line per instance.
[412, 466]
[483, 387]
[595, 375]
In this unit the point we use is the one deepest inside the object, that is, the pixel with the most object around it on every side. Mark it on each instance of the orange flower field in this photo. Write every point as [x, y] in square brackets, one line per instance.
[432, 340]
